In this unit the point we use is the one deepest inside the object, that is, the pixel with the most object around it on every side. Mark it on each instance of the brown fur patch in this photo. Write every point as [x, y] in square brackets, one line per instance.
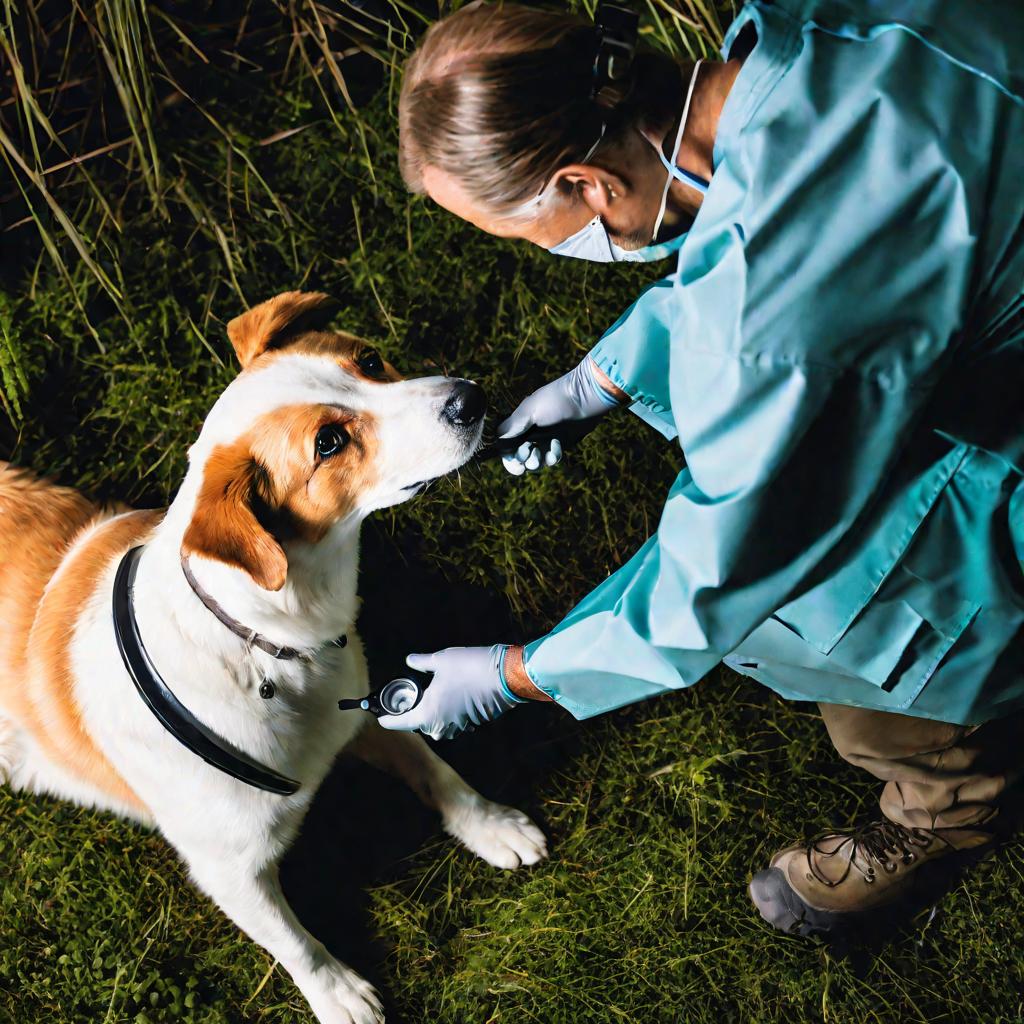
[50, 651]
[344, 349]
[270, 323]
[38, 524]
[224, 526]
[270, 485]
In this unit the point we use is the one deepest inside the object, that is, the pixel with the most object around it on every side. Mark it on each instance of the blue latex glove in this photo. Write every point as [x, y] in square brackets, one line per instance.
[468, 687]
[573, 397]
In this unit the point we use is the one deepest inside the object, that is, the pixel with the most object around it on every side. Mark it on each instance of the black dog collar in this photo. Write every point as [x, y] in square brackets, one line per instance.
[172, 714]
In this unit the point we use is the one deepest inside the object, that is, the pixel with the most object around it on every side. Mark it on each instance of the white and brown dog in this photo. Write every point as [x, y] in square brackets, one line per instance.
[314, 434]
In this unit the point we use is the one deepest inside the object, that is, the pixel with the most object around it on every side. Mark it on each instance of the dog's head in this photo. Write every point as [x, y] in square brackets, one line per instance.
[316, 430]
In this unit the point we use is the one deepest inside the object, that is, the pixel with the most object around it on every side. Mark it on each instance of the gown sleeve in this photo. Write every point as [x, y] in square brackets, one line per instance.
[783, 456]
[845, 252]
[634, 353]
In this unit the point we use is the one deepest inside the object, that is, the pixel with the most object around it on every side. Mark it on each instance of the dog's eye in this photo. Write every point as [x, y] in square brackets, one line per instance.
[371, 363]
[330, 440]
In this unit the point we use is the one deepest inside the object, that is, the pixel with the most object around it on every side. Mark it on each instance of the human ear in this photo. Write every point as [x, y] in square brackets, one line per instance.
[599, 188]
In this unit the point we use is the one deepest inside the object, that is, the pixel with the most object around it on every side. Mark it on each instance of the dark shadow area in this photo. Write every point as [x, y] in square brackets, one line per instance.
[363, 825]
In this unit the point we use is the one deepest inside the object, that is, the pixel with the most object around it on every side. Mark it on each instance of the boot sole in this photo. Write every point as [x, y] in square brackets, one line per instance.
[782, 908]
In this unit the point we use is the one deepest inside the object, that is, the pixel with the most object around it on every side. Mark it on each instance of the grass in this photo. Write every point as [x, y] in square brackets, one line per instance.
[159, 174]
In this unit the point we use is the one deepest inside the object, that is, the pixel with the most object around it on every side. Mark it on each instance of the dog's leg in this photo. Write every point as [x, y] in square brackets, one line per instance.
[253, 899]
[502, 836]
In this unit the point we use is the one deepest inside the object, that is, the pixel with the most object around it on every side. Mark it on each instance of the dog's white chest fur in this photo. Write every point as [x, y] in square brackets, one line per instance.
[298, 732]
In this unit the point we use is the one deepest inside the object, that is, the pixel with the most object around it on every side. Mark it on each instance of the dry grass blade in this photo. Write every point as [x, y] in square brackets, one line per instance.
[92, 154]
[180, 33]
[32, 113]
[692, 28]
[319, 34]
[62, 218]
[123, 35]
[207, 222]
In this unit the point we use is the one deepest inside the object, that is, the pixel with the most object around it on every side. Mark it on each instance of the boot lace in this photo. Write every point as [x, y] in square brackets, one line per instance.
[881, 844]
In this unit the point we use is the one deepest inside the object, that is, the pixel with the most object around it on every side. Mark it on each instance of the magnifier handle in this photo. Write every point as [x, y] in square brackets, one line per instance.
[569, 432]
[372, 701]
[350, 704]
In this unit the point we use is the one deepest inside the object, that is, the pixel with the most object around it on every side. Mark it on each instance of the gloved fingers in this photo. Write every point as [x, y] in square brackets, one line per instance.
[399, 723]
[513, 465]
[454, 729]
[423, 662]
[532, 456]
[417, 721]
[544, 455]
[518, 423]
[438, 731]
[418, 718]
[519, 461]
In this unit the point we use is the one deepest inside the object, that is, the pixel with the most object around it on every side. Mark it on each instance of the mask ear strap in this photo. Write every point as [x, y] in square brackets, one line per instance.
[669, 164]
[661, 209]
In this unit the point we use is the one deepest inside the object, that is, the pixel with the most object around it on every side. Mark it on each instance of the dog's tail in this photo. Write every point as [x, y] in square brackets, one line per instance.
[38, 522]
[38, 519]
[37, 515]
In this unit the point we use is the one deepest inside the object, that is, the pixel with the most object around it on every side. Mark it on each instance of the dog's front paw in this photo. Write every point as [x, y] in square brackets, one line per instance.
[337, 995]
[500, 835]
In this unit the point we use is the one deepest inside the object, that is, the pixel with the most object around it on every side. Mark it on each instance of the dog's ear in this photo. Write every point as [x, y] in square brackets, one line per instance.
[272, 323]
[225, 526]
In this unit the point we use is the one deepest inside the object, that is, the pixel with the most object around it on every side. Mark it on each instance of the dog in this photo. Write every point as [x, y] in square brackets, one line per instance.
[256, 556]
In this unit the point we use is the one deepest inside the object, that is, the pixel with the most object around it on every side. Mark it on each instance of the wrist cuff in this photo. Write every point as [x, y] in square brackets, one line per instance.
[605, 396]
[502, 654]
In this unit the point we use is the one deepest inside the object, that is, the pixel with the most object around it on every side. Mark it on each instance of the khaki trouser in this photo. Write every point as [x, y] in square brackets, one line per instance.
[936, 775]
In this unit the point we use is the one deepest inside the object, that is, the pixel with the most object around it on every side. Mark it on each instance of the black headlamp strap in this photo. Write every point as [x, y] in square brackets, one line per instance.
[171, 713]
[618, 26]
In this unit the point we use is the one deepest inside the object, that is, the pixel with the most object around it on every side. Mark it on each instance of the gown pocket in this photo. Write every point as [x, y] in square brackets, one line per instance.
[871, 618]
[900, 639]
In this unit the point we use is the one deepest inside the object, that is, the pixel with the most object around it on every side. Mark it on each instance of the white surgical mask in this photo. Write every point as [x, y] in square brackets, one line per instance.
[592, 243]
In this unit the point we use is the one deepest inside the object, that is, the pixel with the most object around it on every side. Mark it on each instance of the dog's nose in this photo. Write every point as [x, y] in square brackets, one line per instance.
[466, 405]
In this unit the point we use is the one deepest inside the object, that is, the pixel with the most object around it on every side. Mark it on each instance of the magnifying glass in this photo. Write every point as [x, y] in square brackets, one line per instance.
[395, 698]
[569, 433]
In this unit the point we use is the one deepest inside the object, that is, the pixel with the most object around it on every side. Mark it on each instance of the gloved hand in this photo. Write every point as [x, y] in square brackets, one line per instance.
[467, 688]
[570, 400]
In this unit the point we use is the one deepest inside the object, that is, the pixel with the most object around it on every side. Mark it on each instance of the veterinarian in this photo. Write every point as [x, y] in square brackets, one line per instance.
[837, 347]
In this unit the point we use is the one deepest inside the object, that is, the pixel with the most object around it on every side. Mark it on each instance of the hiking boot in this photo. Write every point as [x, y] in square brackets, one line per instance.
[844, 878]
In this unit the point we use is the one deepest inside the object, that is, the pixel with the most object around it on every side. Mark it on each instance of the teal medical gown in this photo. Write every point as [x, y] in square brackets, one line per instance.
[840, 352]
